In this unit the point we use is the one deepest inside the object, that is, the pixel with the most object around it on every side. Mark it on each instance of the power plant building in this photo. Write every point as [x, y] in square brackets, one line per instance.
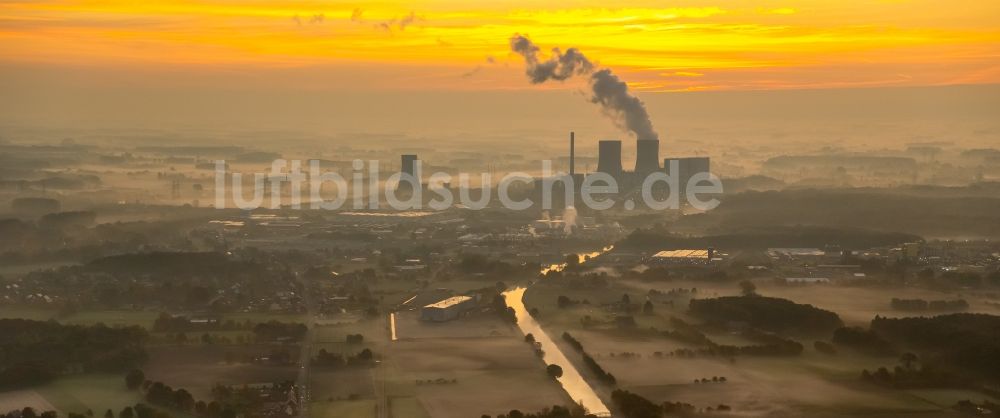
[687, 167]
[407, 165]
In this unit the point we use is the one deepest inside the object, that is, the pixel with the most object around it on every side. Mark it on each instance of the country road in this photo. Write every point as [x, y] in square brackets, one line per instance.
[302, 382]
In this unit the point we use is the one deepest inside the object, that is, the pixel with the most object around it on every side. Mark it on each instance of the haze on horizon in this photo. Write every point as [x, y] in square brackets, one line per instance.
[867, 72]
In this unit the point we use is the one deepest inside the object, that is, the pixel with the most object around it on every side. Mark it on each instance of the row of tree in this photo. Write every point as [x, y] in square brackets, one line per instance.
[554, 412]
[589, 361]
[364, 358]
[766, 313]
[924, 305]
[36, 352]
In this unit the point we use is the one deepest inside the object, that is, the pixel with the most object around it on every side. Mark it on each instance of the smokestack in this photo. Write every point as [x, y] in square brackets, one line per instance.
[572, 152]
[609, 157]
[647, 156]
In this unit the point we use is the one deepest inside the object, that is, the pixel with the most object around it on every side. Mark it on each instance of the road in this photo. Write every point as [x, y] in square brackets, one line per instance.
[305, 357]
[378, 375]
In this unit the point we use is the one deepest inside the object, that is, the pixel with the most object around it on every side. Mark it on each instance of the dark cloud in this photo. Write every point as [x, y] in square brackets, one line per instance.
[313, 19]
[399, 23]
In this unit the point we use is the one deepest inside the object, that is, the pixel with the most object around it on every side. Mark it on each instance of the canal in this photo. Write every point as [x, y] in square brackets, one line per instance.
[572, 382]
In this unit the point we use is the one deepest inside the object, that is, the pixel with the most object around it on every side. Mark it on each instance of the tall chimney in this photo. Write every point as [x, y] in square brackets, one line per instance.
[572, 152]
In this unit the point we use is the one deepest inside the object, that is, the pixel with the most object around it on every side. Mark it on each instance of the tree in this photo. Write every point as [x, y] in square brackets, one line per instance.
[109, 414]
[127, 413]
[28, 412]
[554, 370]
[529, 338]
[647, 308]
[635, 406]
[134, 379]
[908, 359]
[183, 400]
[747, 288]
[572, 260]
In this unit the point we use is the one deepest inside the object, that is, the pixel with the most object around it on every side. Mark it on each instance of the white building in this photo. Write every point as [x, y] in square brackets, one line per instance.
[447, 309]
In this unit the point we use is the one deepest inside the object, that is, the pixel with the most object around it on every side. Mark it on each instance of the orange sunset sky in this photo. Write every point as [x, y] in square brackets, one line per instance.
[868, 72]
[655, 45]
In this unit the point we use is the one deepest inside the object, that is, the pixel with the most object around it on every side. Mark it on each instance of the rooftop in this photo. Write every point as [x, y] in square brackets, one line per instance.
[454, 300]
[682, 254]
[796, 251]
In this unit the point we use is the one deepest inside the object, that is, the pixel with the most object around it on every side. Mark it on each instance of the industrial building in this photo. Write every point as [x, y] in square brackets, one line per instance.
[683, 256]
[447, 309]
[687, 167]
[408, 165]
[609, 161]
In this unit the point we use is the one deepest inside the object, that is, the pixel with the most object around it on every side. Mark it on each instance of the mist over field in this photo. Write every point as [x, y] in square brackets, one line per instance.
[216, 209]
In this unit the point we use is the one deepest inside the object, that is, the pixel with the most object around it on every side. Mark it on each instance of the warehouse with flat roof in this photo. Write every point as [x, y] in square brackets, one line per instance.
[694, 256]
[447, 309]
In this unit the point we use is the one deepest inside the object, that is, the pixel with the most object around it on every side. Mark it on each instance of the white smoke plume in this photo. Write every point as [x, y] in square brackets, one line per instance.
[569, 219]
[607, 90]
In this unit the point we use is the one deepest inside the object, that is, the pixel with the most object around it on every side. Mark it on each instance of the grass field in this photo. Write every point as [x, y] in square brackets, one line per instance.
[812, 384]
[364, 408]
[112, 318]
[19, 399]
[198, 368]
[409, 407]
[97, 393]
[26, 312]
[478, 376]
[127, 317]
[8, 272]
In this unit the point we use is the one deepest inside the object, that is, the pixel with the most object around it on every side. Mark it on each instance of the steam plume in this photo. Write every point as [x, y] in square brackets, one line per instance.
[569, 219]
[607, 90]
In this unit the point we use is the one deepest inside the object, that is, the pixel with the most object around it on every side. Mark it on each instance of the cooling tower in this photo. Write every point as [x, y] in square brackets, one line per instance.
[609, 157]
[647, 156]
